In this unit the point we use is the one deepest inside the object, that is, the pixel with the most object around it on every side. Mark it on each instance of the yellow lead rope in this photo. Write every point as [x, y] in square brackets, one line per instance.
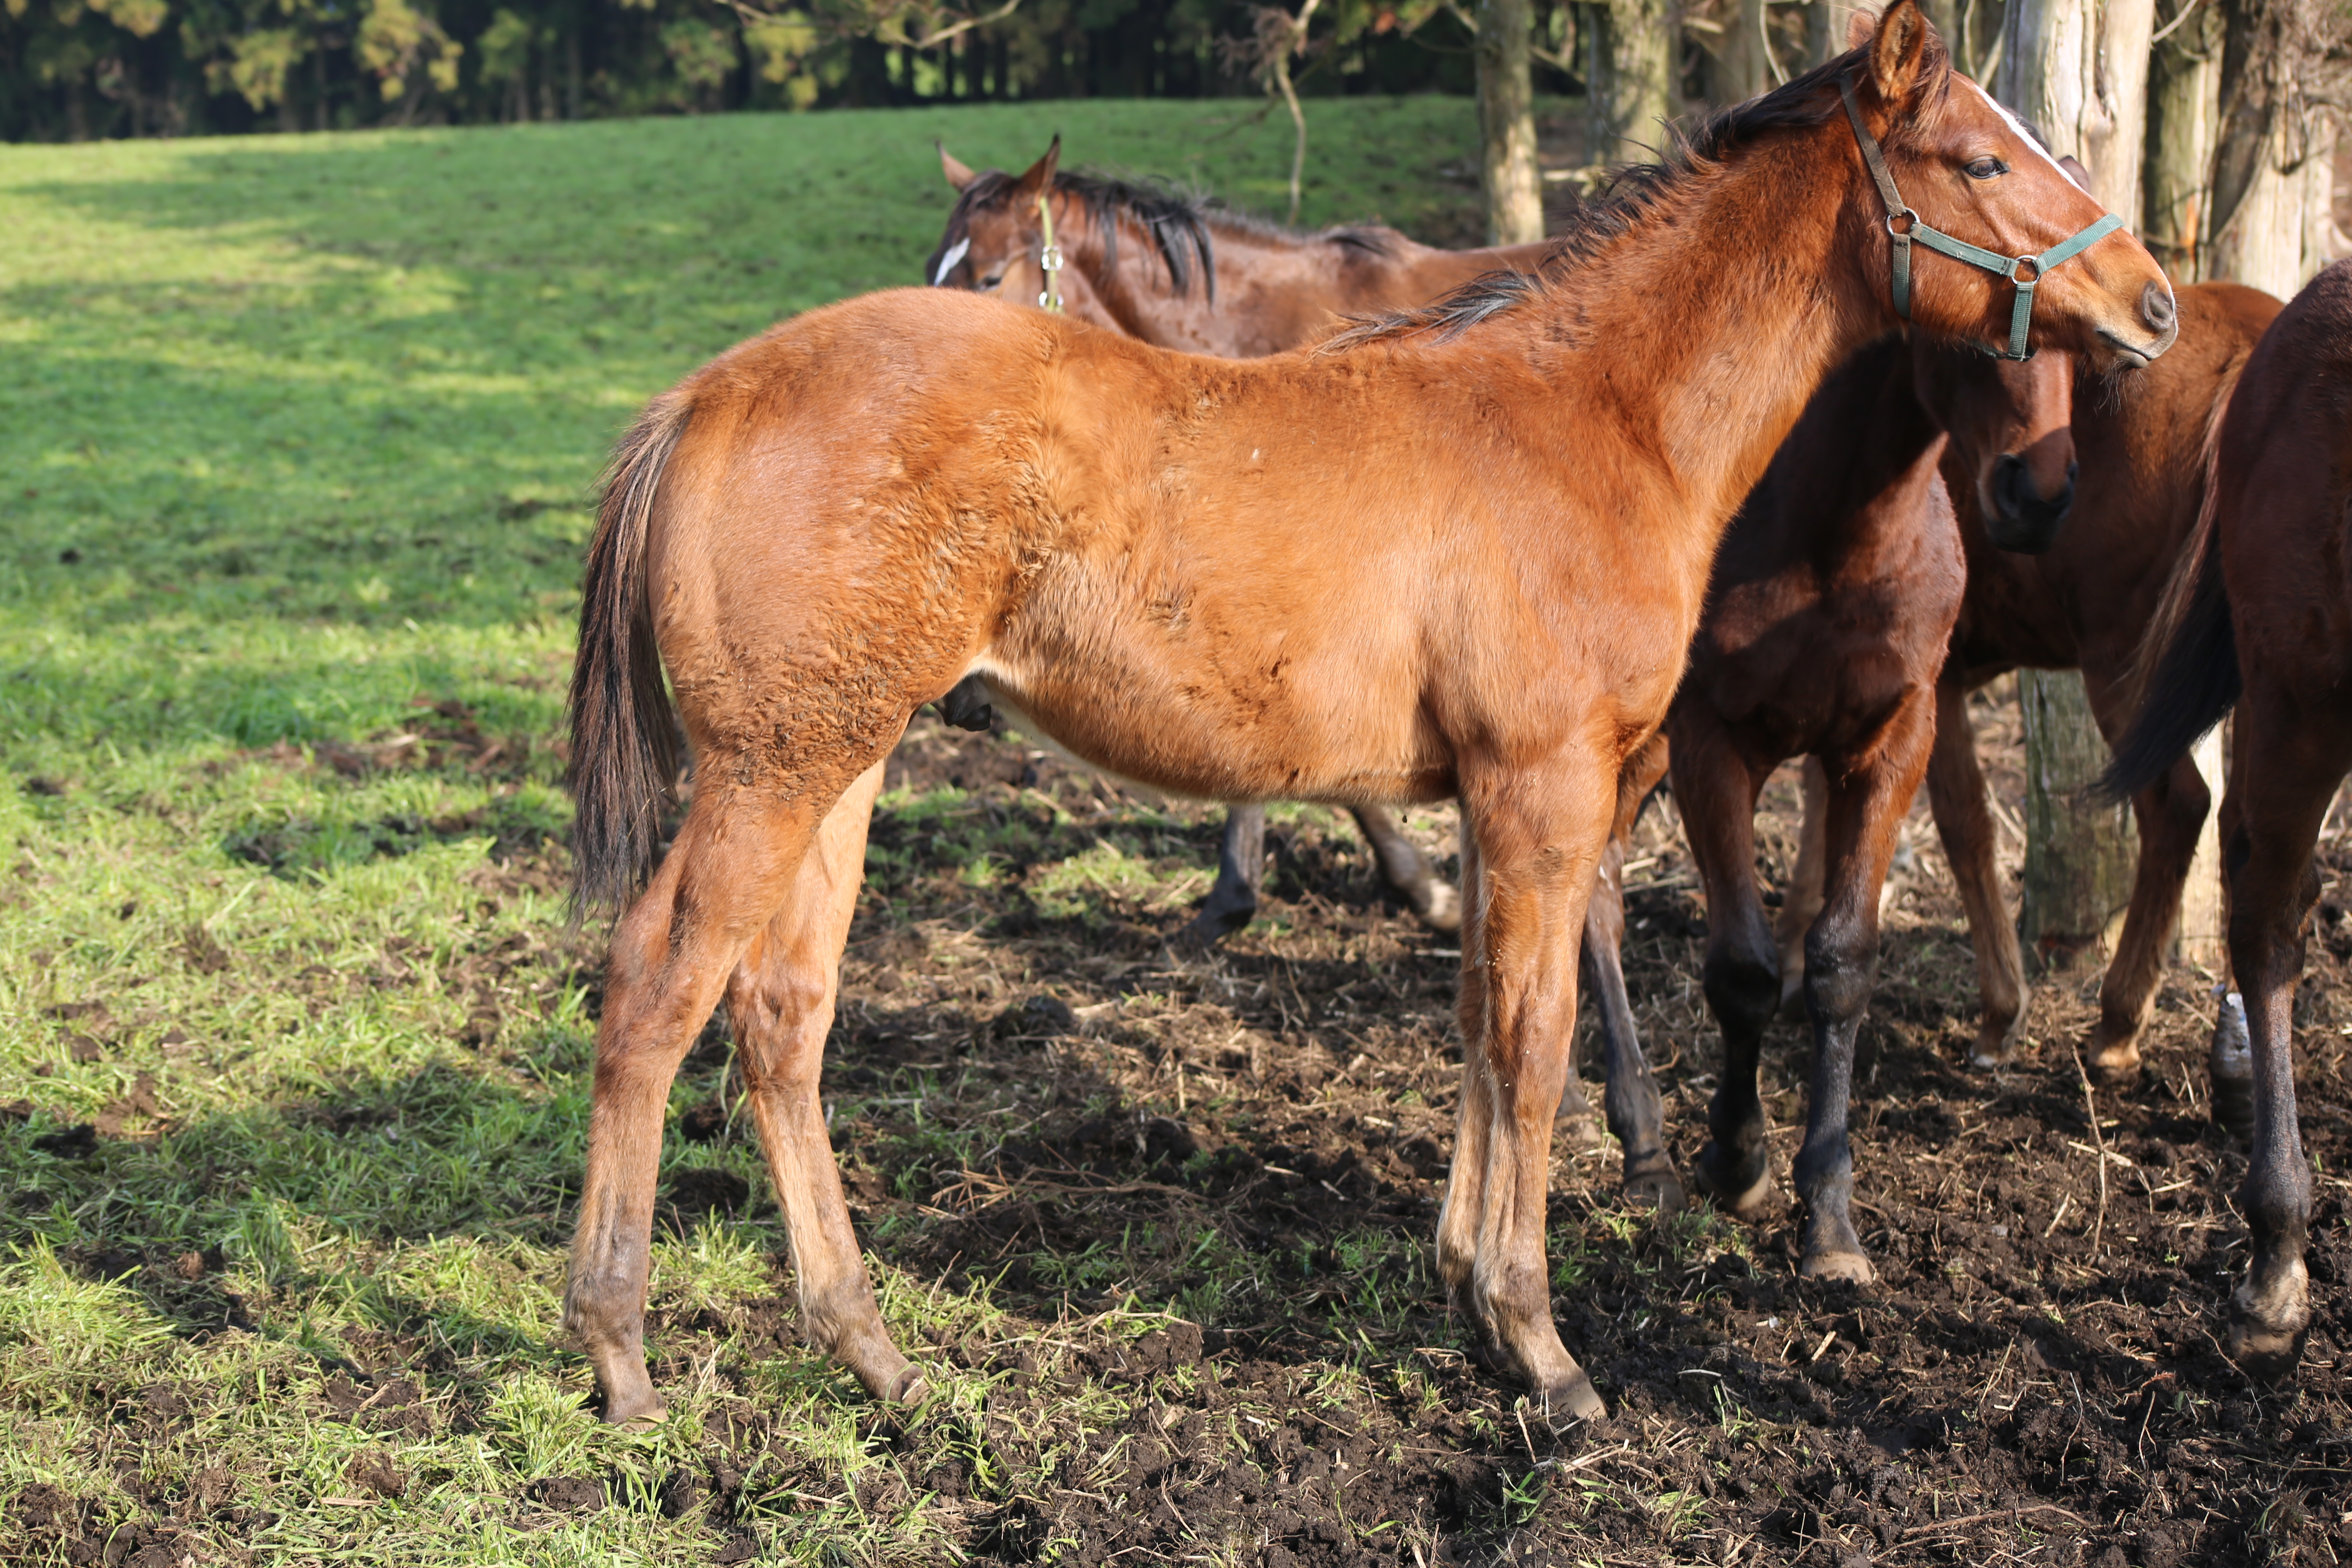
[1050, 259]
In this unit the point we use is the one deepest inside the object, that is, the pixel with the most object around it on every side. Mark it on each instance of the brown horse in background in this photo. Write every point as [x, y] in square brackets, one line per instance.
[1458, 552]
[2259, 618]
[1180, 273]
[2081, 598]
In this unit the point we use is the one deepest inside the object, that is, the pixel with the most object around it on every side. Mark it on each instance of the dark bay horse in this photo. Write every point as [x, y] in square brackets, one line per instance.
[2080, 597]
[2259, 618]
[1180, 273]
[1460, 551]
[1172, 270]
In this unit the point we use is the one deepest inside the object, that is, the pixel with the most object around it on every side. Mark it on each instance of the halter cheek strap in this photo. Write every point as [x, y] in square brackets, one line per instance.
[1904, 226]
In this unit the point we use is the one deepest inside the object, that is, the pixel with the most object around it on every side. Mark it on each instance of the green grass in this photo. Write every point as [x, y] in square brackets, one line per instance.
[298, 437]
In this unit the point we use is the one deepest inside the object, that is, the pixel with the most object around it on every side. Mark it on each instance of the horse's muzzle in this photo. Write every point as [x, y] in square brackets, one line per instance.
[2022, 519]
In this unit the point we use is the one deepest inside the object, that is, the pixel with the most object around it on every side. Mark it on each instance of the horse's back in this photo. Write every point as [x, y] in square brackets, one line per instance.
[2285, 477]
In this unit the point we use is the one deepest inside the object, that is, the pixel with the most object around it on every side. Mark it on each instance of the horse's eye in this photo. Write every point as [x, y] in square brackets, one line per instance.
[992, 281]
[1987, 169]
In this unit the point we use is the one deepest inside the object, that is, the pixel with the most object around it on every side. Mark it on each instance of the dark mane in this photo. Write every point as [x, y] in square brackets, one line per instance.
[1180, 225]
[1632, 193]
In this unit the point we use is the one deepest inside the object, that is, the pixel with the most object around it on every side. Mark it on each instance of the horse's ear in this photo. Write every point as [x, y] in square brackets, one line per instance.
[1041, 173]
[953, 168]
[2074, 171]
[1898, 51]
[1860, 26]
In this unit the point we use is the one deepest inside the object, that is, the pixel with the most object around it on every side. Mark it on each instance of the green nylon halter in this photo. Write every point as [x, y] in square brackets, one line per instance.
[1904, 226]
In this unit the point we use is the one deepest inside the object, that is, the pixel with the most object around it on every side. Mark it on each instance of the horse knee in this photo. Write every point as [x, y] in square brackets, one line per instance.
[1841, 965]
[1743, 987]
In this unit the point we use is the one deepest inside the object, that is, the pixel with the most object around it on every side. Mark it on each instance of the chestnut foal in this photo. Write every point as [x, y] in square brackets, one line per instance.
[1459, 553]
[2259, 618]
[1172, 271]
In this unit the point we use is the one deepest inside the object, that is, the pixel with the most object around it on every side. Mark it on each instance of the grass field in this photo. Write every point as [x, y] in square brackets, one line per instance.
[297, 437]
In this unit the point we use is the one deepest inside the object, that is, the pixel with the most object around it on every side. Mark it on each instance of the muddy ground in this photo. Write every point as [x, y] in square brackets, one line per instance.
[2036, 1378]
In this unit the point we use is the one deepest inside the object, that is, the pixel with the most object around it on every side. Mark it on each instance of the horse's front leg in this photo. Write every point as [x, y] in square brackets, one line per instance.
[1868, 797]
[1539, 835]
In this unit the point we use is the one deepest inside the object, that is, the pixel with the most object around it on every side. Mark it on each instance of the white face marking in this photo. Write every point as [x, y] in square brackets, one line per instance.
[956, 252]
[2036, 148]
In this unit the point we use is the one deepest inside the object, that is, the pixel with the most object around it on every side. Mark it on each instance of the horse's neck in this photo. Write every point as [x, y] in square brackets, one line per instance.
[1703, 331]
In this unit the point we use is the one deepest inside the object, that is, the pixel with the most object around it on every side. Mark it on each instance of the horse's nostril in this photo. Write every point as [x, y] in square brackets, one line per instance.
[2156, 307]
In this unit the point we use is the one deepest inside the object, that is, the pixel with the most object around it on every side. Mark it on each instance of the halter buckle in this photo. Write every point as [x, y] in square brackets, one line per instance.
[1907, 218]
[2025, 269]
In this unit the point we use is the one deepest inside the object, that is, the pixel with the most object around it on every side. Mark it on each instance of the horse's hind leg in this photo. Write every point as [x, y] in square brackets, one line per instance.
[1717, 792]
[1408, 871]
[2288, 762]
[1240, 878]
[780, 1001]
[1868, 800]
[671, 954]
[1955, 789]
[2171, 813]
[1801, 902]
[1637, 1117]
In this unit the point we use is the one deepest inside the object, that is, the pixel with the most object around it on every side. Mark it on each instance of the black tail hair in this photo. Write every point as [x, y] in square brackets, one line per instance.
[624, 738]
[2185, 678]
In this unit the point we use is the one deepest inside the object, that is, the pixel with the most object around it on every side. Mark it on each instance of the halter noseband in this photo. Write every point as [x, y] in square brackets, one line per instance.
[1904, 226]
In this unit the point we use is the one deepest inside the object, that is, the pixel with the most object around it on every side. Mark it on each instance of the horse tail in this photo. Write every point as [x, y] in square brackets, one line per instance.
[2185, 678]
[625, 737]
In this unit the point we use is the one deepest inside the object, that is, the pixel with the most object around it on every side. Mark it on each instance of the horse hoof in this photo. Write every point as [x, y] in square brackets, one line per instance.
[2115, 1064]
[2261, 1351]
[1742, 1200]
[1993, 1052]
[1571, 1399]
[645, 1411]
[1656, 1187]
[1851, 1266]
[1579, 1127]
[1442, 909]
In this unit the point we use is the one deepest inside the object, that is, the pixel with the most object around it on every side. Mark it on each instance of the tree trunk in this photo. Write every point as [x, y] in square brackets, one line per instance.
[1632, 80]
[2078, 854]
[1506, 124]
[2078, 69]
[1739, 63]
[2184, 102]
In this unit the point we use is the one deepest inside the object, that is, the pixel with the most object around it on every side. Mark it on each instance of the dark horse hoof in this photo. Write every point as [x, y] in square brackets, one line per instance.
[1739, 1185]
[1215, 923]
[1654, 1183]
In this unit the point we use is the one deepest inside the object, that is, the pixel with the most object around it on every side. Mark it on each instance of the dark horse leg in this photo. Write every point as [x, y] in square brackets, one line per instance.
[1241, 874]
[1955, 789]
[1636, 1114]
[1408, 871]
[1240, 878]
[1800, 901]
[2171, 813]
[1717, 792]
[2288, 760]
[1868, 797]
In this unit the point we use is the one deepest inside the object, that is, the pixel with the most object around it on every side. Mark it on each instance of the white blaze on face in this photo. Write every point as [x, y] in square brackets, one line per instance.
[2032, 144]
[956, 252]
